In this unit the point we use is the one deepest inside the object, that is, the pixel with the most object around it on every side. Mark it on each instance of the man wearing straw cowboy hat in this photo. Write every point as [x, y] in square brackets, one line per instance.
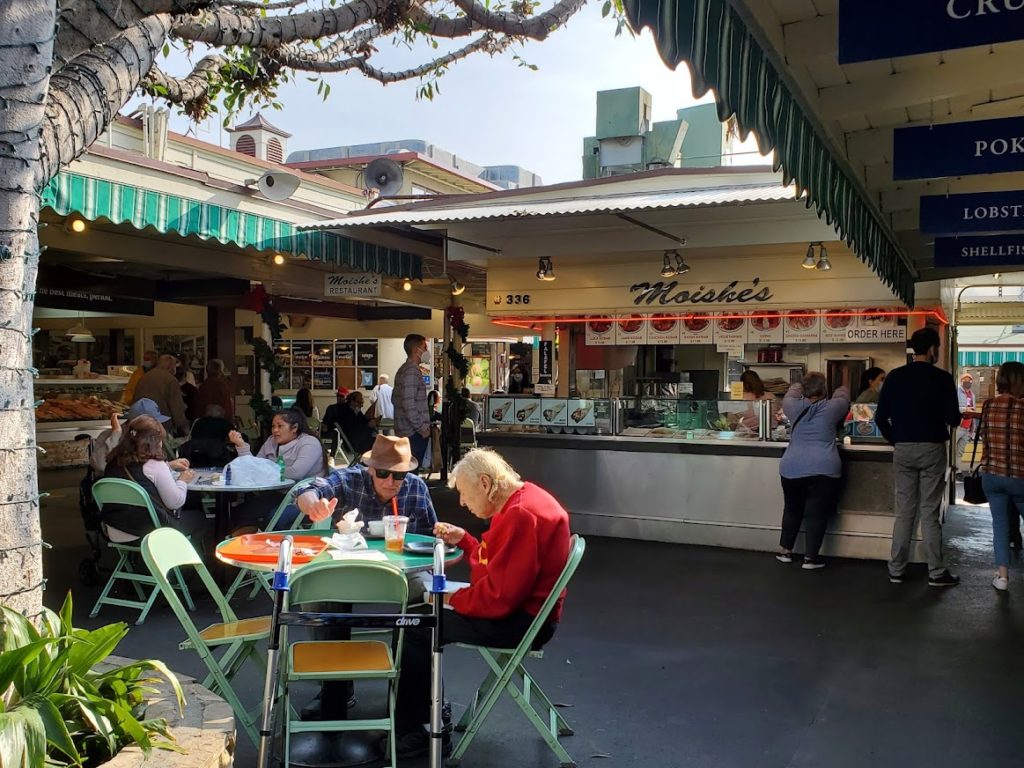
[383, 485]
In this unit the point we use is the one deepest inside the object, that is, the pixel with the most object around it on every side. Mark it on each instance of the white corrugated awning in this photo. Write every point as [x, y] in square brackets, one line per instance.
[504, 208]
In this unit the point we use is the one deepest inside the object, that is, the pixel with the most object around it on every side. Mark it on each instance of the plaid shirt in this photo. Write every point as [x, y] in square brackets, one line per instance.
[1002, 434]
[353, 488]
[410, 400]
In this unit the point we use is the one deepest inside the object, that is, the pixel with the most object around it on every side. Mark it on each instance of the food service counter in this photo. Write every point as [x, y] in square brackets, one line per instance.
[703, 491]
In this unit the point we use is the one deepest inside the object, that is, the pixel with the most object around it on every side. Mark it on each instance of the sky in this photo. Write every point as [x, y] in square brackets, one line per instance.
[490, 110]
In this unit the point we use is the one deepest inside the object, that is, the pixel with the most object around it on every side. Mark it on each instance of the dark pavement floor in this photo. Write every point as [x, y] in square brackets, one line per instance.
[673, 655]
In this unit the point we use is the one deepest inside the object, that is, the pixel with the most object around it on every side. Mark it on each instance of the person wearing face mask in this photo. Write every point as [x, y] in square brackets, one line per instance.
[870, 385]
[149, 358]
[965, 432]
[916, 410]
[519, 382]
[412, 417]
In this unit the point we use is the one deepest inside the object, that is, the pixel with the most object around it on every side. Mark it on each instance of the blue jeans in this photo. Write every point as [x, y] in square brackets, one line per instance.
[418, 444]
[999, 491]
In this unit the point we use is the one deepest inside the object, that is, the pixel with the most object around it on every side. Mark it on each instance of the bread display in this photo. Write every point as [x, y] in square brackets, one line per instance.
[77, 408]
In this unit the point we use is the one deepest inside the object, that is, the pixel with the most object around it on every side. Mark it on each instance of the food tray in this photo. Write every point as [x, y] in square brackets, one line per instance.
[265, 547]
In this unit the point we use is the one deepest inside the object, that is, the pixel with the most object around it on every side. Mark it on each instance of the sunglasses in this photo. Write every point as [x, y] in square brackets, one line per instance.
[384, 474]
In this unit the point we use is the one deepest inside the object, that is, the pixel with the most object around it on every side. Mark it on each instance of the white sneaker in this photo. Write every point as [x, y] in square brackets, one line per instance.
[1000, 583]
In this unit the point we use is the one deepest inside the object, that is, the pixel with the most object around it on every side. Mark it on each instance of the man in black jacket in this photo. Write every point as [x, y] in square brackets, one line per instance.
[916, 410]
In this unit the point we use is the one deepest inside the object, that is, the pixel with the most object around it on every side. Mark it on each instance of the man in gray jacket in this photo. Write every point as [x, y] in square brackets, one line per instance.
[161, 386]
[412, 418]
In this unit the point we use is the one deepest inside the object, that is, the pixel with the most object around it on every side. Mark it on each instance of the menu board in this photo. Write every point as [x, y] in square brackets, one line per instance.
[367, 353]
[323, 378]
[345, 353]
[501, 410]
[581, 413]
[699, 328]
[631, 330]
[663, 329]
[302, 354]
[730, 330]
[765, 327]
[527, 411]
[600, 332]
[323, 353]
[554, 412]
[802, 328]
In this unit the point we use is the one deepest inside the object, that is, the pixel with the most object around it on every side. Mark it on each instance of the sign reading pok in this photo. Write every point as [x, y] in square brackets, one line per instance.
[600, 332]
[630, 330]
[352, 284]
[697, 329]
[663, 329]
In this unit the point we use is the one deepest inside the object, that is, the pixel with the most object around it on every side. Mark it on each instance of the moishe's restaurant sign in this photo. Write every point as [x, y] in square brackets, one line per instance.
[711, 285]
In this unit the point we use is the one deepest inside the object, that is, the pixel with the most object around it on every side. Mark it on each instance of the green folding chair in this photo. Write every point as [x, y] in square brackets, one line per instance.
[165, 550]
[357, 584]
[260, 580]
[507, 673]
[112, 490]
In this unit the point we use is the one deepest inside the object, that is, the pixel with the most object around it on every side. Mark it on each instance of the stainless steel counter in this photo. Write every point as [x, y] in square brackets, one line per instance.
[711, 492]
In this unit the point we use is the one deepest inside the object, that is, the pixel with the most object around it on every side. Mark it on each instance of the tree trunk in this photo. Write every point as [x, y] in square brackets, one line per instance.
[26, 55]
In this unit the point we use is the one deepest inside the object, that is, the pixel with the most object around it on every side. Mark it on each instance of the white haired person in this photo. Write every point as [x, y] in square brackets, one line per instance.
[512, 570]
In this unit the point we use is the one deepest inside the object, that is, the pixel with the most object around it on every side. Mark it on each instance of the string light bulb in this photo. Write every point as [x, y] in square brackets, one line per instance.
[74, 225]
[407, 284]
[277, 259]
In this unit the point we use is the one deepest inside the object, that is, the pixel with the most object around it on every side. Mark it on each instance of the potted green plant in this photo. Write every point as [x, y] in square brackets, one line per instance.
[57, 707]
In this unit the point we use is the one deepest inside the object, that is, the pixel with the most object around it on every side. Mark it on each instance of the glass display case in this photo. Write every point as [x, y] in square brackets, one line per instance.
[71, 407]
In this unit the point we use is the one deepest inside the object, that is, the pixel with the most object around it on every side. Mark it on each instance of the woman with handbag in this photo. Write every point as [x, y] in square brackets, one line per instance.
[1002, 465]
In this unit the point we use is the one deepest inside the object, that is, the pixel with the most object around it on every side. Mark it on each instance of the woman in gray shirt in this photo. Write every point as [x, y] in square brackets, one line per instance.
[810, 467]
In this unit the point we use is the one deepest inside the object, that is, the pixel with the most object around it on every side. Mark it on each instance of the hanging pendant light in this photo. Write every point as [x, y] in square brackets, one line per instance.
[809, 262]
[79, 333]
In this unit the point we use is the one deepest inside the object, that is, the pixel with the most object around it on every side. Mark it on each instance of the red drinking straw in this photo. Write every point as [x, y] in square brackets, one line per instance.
[394, 506]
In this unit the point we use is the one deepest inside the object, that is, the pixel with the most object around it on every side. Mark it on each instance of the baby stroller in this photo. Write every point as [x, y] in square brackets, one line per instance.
[89, 569]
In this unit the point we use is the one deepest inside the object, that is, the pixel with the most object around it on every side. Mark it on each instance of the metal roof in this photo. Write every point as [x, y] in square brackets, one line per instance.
[503, 208]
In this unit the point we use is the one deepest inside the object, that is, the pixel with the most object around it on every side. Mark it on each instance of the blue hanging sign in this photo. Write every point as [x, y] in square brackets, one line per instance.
[995, 250]
[983, 212]
[958, 149]
[883, 29]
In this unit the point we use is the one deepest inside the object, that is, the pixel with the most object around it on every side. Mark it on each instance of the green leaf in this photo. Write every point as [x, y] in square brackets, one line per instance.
[606, 9]
[22, 738]
[93, 647]
[13, 662]
[57, 734]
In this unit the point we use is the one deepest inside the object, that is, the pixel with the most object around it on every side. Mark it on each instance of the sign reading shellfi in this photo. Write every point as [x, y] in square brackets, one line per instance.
[352, 284]
[995, 250]
[983, 212]
[883, 29]
[958, 149]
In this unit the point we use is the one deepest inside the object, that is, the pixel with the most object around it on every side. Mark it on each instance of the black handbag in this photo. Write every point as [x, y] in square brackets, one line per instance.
[974, 493]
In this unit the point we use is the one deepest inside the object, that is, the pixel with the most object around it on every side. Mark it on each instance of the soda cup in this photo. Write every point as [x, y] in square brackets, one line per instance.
[394, 532]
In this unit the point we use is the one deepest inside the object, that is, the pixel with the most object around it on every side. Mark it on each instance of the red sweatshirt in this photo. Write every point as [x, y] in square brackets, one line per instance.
[519, 560]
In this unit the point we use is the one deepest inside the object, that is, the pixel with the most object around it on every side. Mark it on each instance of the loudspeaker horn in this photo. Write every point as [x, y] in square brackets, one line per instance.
[276, 185]
[384, 175]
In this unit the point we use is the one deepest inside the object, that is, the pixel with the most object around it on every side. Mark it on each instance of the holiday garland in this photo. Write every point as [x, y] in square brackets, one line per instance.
[457, 401]
[258, 300]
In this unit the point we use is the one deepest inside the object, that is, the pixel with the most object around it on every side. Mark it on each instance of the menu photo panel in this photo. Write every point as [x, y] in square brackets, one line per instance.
[802, 327]
[836, 324]
[630, 330]
[501, 411]
[663, 329]
[765, 326]
[697, 328]
[600, 331]
[554, 412]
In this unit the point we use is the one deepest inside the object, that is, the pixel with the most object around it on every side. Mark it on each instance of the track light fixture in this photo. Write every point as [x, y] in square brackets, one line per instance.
[545, 269]
[823, 263]
[681, 266]
[457, 288]
[667, 270]
[820, 263]
[407, 284]
[808, 262]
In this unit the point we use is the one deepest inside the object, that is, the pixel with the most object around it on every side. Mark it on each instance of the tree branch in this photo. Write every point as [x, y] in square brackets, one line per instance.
[297, 57]
[260, 6]
[90, 90]
[516, 25]
[486, 43]
[185, 90]
[438, 26]
[223, 26]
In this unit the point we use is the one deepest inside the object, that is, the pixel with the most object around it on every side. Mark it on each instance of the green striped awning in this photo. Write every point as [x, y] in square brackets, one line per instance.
[989, 358]
[126, 204]
[725, 57]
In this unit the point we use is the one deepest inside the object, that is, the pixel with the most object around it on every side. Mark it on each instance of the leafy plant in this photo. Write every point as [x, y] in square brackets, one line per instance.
[57, 709]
